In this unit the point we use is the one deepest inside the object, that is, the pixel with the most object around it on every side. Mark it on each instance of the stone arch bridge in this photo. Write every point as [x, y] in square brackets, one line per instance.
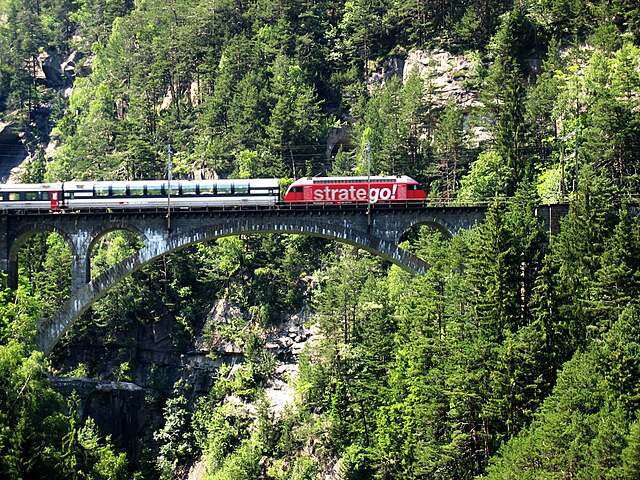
[377, 229]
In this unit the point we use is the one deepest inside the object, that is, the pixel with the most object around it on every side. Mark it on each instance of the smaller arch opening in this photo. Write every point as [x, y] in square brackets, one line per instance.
[413, 233]
[44, 269]
[111, 248]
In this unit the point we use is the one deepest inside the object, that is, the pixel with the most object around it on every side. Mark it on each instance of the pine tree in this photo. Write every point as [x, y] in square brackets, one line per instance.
[506, 94]
[617, 281]
[450, 152]
[73, 459]
[576, 256]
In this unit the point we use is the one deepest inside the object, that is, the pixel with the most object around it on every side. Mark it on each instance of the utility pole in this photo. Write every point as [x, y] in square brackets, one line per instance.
[367, 152]
[169, 168]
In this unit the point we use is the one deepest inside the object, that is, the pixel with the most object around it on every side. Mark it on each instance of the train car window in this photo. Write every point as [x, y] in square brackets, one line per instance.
[154, 190]
[241, 188]
[31, 196]
[45, 196]
[101, 190]
[224, 188]
[118, 190]
[175, 189]
[188, 188]
[136, 190]
[207, 189]
[14, 196]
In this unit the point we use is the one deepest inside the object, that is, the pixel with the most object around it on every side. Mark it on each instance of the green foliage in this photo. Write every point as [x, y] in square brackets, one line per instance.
[44, 263]
[243, 464]
[176, 437]
[396, 126]
[106, 463]
[489, 176]
[36, 440]
[584, 427]
[85, 454]
[28, 405]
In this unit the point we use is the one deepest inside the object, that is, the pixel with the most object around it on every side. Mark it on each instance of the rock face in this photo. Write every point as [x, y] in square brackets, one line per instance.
[12, 151]
[447, 74]
[55, 71]
[118, 405]
[448, 78]
[391, 67]
[287, 339]
[132, 411]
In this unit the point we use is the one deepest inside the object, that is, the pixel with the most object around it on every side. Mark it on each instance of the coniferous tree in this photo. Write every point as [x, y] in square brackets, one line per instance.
[506, 95]
[617, 281]
[576, 256]
[450, 152]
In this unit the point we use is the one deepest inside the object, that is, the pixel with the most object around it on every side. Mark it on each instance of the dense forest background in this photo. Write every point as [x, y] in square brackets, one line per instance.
[516, 356]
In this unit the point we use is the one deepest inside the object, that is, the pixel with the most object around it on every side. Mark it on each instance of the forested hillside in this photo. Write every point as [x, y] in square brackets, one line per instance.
[517, 355]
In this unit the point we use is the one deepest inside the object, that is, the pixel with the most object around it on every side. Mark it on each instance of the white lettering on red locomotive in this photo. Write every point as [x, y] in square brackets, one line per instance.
[354, 194]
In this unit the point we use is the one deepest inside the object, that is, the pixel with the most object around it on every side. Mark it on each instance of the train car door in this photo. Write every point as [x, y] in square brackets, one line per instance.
[55, 200]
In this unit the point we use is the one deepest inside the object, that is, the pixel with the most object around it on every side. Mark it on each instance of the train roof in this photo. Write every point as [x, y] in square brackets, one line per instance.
[81, 185]
[29, 187]
[358, 179]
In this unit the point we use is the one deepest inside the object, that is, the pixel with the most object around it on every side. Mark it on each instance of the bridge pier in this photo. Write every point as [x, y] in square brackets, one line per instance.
[80, 259]
[4, 254]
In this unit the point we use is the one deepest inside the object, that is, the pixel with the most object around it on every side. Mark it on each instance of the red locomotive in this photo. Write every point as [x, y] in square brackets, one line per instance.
[354, 190]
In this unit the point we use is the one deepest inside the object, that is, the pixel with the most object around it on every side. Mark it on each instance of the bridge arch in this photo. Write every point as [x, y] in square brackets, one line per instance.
[447, 231]
[103, 229]
[21, 238]
[156, 245]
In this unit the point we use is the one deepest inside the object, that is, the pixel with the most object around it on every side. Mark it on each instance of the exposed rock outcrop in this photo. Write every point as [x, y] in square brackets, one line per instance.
[12, 151]
[447, 73]
[55, 71]
[118, 405]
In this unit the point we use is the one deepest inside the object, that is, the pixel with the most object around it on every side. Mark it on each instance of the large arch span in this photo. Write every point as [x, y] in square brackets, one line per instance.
[159, 243]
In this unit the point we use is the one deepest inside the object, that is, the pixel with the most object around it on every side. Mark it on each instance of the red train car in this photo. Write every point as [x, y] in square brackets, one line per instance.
[354, 189]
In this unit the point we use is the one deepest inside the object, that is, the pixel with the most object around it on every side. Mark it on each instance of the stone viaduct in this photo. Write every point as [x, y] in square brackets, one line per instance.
[378, 229]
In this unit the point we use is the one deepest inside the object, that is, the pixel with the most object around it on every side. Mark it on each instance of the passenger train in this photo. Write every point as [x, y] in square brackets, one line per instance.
[206, 193]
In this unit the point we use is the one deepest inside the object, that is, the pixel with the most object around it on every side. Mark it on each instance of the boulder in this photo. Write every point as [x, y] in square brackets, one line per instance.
[50, 71]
